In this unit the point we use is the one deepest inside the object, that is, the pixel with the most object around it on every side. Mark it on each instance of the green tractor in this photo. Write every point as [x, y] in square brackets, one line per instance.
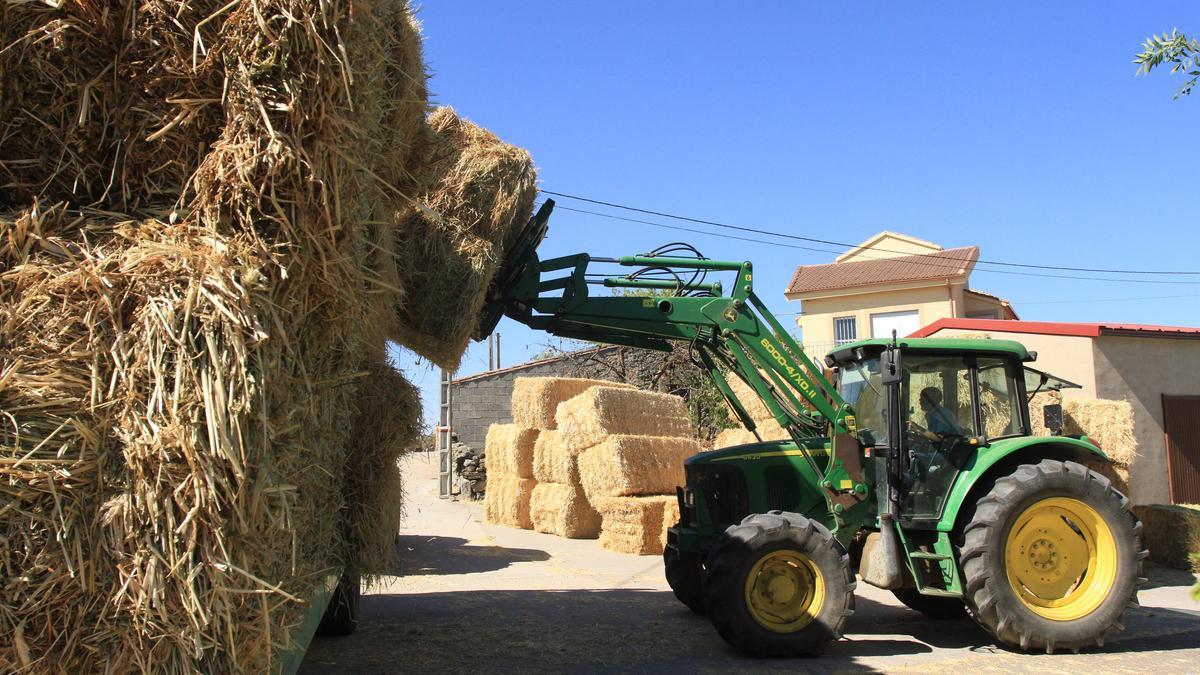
[911, 465]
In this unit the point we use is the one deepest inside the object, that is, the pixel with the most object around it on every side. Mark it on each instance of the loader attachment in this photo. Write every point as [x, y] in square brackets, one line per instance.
[521, 254]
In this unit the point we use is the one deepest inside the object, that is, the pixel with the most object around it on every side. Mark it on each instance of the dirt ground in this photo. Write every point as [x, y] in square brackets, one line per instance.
[468, 596]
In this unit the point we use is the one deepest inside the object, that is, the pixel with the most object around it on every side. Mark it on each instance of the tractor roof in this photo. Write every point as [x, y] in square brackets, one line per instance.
[977, 346]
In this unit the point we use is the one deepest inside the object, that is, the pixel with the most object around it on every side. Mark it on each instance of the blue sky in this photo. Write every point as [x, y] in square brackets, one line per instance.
[1020, 129]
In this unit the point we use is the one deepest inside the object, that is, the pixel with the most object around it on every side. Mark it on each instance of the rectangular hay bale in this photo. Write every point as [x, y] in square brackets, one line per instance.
[626, 466]
[563, 510]
[507, 500]
[552, 461]
[1172, 533]
[602, 411]
[535, 399]
[1107, 423]
[634, 524]
[509, 450]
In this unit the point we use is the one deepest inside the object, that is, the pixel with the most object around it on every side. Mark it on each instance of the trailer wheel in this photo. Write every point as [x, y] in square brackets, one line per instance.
[1051, 558]
[932, 606]
[685, 575]
[341, 616]
[778, 585]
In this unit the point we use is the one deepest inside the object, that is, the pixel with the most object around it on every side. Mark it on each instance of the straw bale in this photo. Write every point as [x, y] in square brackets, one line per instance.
[634, 465]
[386, 425]
[1172, 533]
[600, 411]
[749, 399]
[1117, 474]
[670, 518]
[731, 437]
[509, 450]
[552, 461]
[507, 499]
[634, 524]
[535, 399]
[563, 510]
[474, 195]
[1108, 424]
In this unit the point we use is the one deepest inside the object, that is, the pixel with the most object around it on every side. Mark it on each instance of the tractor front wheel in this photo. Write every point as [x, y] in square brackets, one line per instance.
[778, 585]
[1051, 557]
[685, 575]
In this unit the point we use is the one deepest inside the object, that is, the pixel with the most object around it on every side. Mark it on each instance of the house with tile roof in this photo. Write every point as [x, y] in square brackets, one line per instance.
[891, 281]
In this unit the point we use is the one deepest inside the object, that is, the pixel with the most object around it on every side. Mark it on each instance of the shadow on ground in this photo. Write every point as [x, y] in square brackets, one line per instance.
[649, 631]
[425, 554]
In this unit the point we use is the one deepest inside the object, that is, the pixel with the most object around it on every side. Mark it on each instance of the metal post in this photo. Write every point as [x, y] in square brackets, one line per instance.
[444, 442]
[497, 351]
[491, 352]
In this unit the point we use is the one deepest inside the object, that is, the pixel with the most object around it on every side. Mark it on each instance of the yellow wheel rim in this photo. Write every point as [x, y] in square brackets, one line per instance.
[784, 591]
[1061, 558]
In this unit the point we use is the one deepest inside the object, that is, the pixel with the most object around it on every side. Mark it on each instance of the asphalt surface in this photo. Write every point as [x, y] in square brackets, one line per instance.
[468, 596]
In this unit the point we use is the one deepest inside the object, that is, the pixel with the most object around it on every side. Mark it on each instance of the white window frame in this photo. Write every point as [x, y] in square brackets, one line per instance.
[837, 340]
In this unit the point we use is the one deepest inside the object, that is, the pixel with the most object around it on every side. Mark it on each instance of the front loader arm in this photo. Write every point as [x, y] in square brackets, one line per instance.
[730, 332]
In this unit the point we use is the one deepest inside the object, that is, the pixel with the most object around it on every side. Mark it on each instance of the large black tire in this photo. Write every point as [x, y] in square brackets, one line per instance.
[685, 575]
[788, 556]
[1021, 536]
[932, 606]
[341, 616]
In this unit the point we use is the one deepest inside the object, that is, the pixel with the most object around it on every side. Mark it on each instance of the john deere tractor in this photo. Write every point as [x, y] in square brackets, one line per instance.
[911, 465]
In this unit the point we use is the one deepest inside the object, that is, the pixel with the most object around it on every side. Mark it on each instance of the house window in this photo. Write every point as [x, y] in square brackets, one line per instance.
[844, 330]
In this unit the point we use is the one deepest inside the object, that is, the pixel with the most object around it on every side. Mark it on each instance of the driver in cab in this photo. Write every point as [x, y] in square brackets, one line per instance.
[940, 420]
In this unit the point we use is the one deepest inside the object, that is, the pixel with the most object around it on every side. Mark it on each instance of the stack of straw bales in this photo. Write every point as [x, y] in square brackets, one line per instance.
[631, 446]
[509, 451]
[533, 482]
[592, 458]
[206, 227]
[764, 421]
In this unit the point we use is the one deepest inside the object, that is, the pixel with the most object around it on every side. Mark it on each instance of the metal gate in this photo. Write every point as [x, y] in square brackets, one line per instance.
[1181, 422]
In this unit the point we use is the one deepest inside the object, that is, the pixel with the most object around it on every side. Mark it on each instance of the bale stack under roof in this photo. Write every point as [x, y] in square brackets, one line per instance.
[509, 452]
[198, 237]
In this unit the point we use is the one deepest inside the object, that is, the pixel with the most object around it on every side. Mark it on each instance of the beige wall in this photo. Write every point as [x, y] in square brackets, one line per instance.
[931, 302]
[975, 304]
[1068, 357]
[1142, 370]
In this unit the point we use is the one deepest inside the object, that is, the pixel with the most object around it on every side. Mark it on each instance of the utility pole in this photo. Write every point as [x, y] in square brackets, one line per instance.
[497, 350]
[444, 441]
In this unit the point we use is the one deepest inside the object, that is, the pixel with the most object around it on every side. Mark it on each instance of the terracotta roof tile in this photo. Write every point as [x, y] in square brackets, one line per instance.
[954, 262]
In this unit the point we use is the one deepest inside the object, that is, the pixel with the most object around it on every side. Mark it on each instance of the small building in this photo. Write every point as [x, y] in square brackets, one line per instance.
[478, 401]
[1155, 368]
[889, 282]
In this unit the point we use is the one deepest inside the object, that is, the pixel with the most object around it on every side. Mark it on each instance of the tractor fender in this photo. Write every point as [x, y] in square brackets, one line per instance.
[1001, 457]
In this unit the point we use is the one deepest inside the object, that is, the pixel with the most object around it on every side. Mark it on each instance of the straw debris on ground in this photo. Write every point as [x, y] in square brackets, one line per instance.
[598, 412]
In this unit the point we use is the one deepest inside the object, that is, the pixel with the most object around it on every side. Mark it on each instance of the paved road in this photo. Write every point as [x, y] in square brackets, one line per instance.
[475, 597]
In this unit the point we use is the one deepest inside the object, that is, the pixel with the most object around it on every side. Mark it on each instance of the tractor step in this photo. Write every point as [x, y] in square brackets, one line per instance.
[922, 555]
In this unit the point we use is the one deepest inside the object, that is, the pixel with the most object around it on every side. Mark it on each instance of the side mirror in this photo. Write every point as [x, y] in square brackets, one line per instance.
[890, 367]
[1052, 417]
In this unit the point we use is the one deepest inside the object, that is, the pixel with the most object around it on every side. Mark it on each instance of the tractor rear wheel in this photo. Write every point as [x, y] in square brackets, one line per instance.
[685, 575]
[1051, 557]
[778, 585]
[932, 606]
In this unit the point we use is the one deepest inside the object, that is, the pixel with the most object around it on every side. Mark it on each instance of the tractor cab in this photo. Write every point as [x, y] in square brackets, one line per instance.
[952, 398]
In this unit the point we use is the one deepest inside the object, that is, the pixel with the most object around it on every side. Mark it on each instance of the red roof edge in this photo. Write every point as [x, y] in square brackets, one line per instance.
[1058, 328]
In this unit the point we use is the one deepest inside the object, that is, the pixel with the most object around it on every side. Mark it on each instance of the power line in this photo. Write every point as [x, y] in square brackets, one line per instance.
[948, 265]
[851, 246]
[1073, 302]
